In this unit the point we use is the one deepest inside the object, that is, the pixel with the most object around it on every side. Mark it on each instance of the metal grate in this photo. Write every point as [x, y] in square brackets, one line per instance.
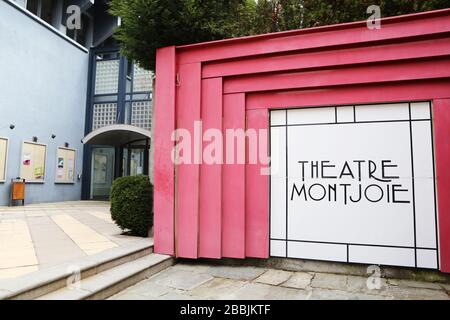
[142, 80]
[104, 114]
[107, 77]
[141, 114]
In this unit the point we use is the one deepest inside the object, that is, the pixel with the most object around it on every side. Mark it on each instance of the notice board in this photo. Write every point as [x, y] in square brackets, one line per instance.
[32, 168]
[65, 165]
[3, 158]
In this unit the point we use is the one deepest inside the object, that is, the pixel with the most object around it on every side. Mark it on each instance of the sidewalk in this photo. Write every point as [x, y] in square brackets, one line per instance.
[186, 281]
[36, 237]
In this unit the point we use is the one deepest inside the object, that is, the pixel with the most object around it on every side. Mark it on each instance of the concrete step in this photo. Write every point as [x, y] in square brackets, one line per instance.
[112, 281]
[43, 282]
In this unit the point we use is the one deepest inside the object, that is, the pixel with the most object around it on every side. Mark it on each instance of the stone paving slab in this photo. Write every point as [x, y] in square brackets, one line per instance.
[299, 280]
[274, 277]
[190, 281]
[41, 236]
[179, 279]
[235, 272]
[259, 291]
[215, 288]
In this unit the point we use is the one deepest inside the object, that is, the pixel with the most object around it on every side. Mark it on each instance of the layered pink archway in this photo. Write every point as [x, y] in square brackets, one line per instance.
[215, 211]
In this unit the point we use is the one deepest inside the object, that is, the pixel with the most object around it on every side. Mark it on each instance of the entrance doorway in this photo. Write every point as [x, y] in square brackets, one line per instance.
[115, 151]
[134, 160]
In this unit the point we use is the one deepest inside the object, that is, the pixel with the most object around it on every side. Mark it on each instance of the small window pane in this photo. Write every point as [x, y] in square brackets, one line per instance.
[32, 6]
[104, 115]
[141, 114]
[47, 10]
[107, 77]
[142, 79]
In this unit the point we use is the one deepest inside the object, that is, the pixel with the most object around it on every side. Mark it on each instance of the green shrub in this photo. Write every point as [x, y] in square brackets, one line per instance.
[132, 204]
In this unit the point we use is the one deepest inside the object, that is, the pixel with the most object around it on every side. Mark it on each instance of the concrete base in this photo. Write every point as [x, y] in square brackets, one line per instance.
[335, 268]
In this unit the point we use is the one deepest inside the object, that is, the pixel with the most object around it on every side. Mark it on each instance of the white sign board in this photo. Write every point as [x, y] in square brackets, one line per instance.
[354, 184]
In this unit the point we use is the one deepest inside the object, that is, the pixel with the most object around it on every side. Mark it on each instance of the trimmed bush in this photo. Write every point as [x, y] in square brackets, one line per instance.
[132, 204]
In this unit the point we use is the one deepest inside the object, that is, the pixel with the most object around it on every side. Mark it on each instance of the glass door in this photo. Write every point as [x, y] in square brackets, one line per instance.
[102, 172]
[136, 162]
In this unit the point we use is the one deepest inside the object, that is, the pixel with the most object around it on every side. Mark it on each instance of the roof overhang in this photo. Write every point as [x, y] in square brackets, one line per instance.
[116, 135]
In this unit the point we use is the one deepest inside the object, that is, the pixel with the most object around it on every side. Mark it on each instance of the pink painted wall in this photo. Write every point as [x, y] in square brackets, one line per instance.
[215, 211]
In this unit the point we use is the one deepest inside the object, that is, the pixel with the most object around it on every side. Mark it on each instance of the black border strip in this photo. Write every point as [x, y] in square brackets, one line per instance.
[270, 180]
[363, 122]
[436, 223]
[413, 184]
[287, 186]
[336, 114]
[354, 244]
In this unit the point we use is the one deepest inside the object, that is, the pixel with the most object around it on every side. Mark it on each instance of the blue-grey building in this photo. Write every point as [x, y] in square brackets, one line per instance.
[74, 113]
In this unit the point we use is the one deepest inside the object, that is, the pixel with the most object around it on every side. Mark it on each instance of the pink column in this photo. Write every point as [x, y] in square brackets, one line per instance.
[188, 174]
[164, 113]
[233, 183]
[257, 190]
[210, 237]
[441, 113]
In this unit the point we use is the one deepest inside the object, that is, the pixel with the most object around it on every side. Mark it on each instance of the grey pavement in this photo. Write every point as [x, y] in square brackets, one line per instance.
[191, 281]
[36, 237]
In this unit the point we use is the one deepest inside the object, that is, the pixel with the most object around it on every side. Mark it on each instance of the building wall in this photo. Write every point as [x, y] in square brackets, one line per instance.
[43, 83]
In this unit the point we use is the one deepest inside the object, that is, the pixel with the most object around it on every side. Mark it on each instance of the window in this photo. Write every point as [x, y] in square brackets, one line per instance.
[33, 6]
[47, 10]
[54, 13]
[44, 9]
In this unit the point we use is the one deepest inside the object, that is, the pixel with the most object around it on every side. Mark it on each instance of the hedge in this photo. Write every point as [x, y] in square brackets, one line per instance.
[132, 204]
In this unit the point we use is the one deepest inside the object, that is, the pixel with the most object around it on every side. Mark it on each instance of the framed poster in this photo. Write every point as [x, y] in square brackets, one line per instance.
[32, 167]
[3, 158]
[65, 165]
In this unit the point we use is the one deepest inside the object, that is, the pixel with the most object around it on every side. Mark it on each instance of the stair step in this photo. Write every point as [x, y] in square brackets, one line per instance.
[40, 283]
[112, 281]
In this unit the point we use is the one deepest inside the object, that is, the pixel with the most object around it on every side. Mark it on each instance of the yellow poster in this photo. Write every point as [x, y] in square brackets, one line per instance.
[3, 158]
[65, 165]
[33, 162]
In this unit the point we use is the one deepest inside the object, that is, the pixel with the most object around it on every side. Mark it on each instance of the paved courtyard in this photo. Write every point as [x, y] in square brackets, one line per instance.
[35, 237]
[198, 281]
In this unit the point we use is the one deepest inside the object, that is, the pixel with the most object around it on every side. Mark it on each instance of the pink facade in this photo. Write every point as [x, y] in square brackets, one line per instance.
[222, 211]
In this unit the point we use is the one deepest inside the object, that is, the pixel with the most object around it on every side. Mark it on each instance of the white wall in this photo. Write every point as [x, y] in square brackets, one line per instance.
[43, 83]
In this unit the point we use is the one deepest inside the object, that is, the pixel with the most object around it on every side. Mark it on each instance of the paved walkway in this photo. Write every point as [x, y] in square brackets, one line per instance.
[40, 236]
[196, 281]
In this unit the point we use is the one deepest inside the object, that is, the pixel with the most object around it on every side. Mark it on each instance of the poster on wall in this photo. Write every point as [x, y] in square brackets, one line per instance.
[354, 184]
[33, 162]
[3, 158]
[65, 165]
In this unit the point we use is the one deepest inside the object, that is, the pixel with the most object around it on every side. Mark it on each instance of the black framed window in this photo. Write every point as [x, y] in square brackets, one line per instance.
[47, 7]
[44, 9]
[33, 7]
